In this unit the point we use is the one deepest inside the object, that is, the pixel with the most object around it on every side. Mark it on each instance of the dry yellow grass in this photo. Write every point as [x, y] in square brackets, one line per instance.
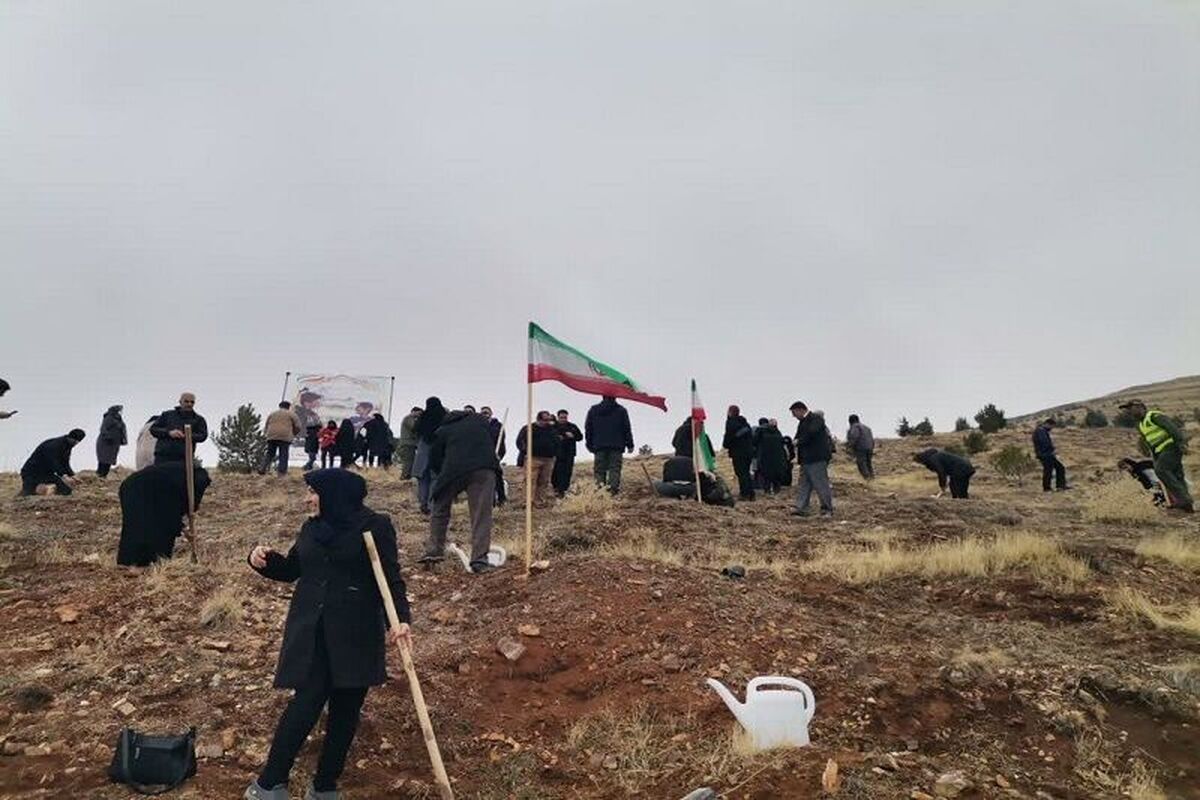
[1121, 501]
[165, 574]
[222, 609]
[587, 499]
[55, 553]
[1133, 603]
[1042, 558]
[643, 544]
[1174, 548]
[646, 746]
[7, 531]
[1141, 784]
[1185, 676]
[981, 663]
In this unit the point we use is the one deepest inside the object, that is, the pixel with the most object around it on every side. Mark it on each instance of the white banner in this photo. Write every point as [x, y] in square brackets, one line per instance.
[321, 398]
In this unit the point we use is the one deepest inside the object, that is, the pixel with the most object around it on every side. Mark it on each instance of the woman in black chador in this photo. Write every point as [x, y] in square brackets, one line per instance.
[153, 505]
[334, 639]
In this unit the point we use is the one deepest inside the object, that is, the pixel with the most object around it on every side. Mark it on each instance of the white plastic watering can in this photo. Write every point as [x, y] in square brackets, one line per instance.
[772, 717]
[497, 555]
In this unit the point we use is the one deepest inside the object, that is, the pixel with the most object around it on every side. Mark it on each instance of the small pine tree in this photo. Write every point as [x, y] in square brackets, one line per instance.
[645, 450]
[975, 442]
[1095, 418]
[1013, 462]
[241, 443]
[990, 419]
[961, 425]
[904, 429]
[923, 428]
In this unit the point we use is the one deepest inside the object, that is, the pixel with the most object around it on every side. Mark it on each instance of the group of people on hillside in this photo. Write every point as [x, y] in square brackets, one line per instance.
[370, 440]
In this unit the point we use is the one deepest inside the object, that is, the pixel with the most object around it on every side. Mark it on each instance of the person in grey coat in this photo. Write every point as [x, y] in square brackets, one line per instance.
[861, 442]
[112, 437]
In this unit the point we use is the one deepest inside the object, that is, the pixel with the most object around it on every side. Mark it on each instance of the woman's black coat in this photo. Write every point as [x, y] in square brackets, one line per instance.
[336, 597]
[344, 443]
[153, 502]
[739, 437]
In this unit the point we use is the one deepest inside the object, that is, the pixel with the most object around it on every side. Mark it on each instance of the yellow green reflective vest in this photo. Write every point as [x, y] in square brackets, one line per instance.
[1155, 435]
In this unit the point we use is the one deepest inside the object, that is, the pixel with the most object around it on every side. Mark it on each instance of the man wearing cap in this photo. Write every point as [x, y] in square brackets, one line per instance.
[168, 429]
[282, 426]
[50, 462]
[1165, 441]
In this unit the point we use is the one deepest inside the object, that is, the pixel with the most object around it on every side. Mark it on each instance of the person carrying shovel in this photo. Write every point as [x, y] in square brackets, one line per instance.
[334, 639]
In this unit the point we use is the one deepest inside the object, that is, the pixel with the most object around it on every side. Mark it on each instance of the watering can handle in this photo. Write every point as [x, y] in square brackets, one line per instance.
[780, 680]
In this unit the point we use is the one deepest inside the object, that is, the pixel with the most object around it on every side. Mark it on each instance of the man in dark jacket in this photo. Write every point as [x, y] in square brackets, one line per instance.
[569, 437]
[1043, 448]
[952, 469]
[608, 434]
[379, 441]
[50, 462]
[813, 450]
[861, 442]
[168, 429]
[545, 453]
[739, 442]
[463, 460]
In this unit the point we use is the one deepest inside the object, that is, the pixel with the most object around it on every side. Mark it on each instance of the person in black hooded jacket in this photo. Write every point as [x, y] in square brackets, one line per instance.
[379, 440]
[347, 444]
[952, 469]
[771, 455]
[739, 441]
[50, 463]
[334, 639]
[153, 503]
[425, 430]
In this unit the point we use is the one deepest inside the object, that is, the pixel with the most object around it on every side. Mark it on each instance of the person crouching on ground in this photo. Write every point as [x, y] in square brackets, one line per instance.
[334, 641]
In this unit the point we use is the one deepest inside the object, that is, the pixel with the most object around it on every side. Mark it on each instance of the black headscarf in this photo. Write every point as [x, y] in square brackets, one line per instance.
[342, 493]
[430, 419]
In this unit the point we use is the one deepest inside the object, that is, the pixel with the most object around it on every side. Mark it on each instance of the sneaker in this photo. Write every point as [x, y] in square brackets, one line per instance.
[256, 792]
[482, 567]
[796, 513]
[313, 794]
[826, 512]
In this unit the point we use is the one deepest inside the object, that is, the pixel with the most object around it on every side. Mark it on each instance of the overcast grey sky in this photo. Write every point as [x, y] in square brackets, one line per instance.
[888, 208]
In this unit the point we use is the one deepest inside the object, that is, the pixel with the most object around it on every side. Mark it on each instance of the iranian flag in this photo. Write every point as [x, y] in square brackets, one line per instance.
[702, 454]
[553, 360]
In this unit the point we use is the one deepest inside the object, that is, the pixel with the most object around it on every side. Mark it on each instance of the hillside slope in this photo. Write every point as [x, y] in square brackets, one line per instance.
[1007, 637]
[1177, 396]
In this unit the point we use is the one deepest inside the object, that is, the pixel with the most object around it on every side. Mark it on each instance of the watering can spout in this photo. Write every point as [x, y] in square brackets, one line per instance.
[738, 708]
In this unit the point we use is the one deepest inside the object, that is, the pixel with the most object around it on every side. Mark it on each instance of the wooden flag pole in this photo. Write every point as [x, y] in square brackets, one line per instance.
[287, 378]
[529, 485]
[189, 471]
[435, 755]
[696, 434]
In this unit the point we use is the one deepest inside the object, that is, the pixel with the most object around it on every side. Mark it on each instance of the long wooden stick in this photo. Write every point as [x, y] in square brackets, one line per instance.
[500, 437]
[696, 434]
[435, 755]
[529, 485]
[189, 470]
[649, 480]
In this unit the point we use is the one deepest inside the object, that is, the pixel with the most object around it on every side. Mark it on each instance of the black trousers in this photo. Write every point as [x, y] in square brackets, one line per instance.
[102, 469]
[960, 485]
[328, 458]
[276, 451]
[560, 476]
[31, 480]
[741, 467]
[865, 467]
[301, 714]
[1052, 466]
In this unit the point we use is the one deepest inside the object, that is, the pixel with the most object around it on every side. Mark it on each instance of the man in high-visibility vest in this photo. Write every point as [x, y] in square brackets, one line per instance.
[1165, 441]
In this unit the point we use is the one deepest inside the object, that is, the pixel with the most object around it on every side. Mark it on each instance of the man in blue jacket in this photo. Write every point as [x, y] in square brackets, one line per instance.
[608, 434]
[1043, 447]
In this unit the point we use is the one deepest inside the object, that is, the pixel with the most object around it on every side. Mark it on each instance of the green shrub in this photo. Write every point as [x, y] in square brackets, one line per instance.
[975, 442]
[1095, 418]
[1013, 462]
[903, 428]
[923, 428]
[241, 443]
[961, 425]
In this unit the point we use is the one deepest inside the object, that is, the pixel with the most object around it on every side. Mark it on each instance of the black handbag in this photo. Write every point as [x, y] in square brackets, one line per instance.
[142, 760]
